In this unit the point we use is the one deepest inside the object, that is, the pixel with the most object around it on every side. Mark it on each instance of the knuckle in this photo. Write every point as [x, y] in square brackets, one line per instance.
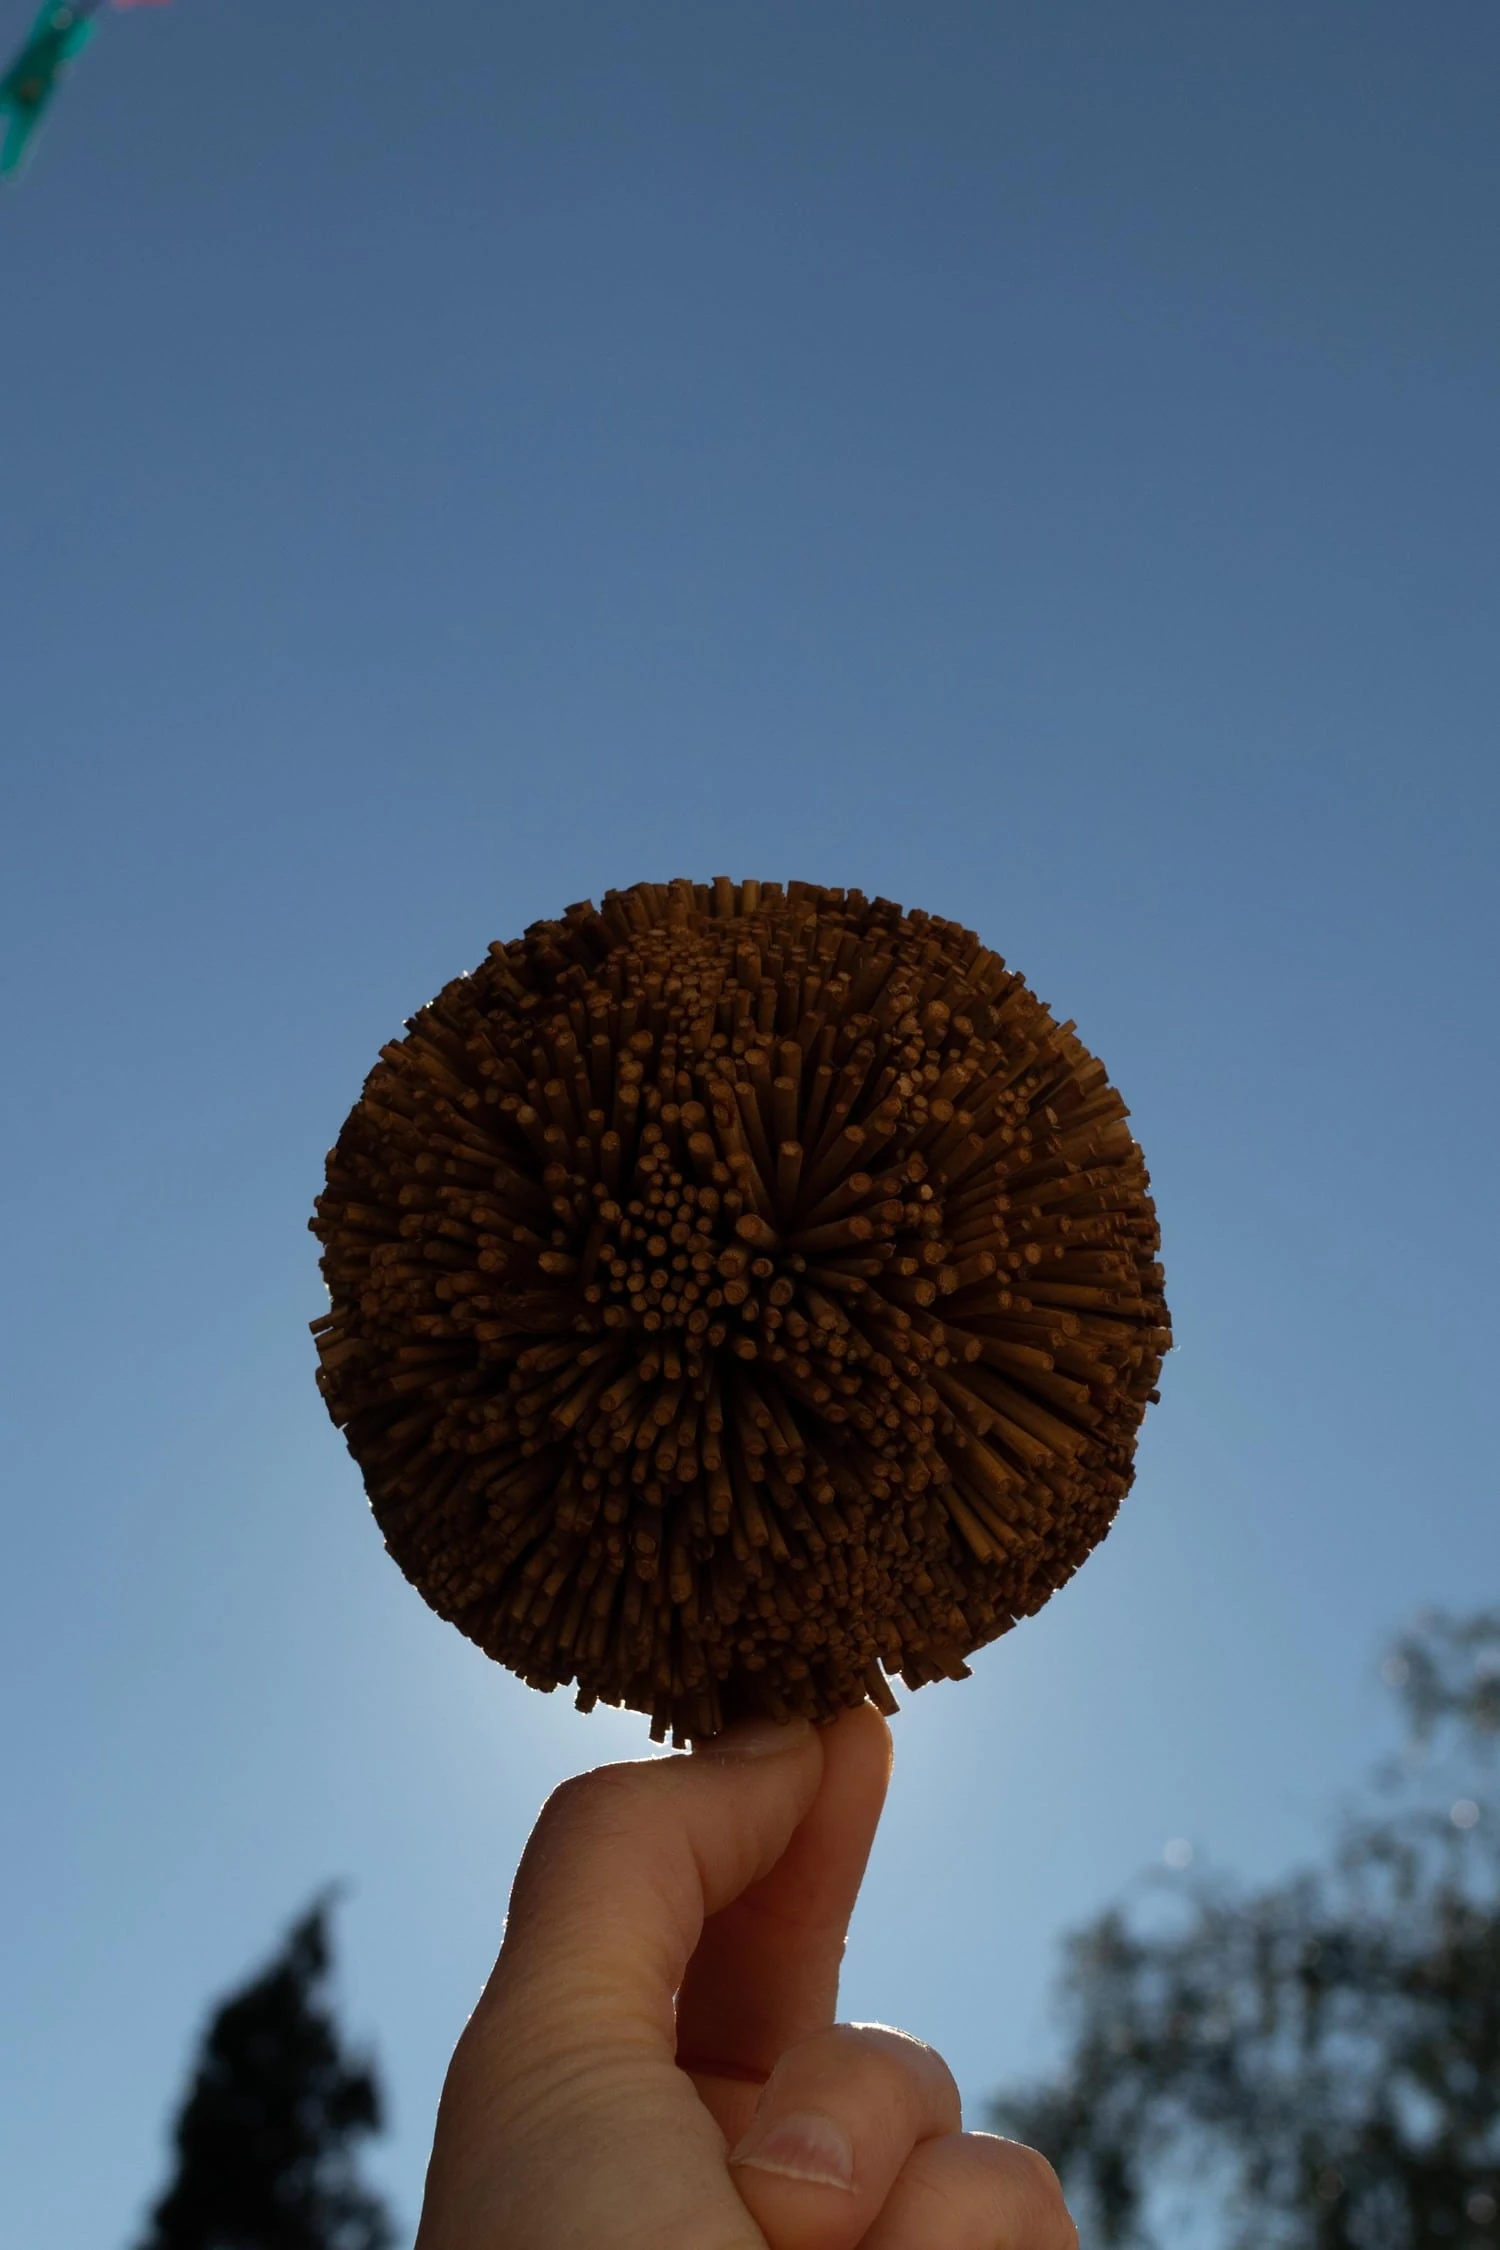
[885, 2073]
[884, 2038]
[585, 1813]
[873, 2039]
[605, 1795]
[897, 2051]
[1041, 2191]
[972, 2186]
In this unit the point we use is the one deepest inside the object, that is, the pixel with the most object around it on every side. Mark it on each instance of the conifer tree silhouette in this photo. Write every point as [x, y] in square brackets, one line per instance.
[267, 2133]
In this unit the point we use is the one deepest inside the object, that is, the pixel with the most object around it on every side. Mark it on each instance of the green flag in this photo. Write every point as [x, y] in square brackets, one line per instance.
[58, 34]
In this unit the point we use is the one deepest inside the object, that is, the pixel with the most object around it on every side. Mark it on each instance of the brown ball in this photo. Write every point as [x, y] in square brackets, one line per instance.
[739, 1293]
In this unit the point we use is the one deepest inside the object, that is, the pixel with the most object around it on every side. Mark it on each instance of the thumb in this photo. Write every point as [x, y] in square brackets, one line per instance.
[565, 2120]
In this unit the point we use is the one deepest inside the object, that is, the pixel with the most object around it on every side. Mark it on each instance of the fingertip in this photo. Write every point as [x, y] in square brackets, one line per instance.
[859, 1744]
[862, 1719]
[861, 1725]
[757, 1738]
[875, 1727]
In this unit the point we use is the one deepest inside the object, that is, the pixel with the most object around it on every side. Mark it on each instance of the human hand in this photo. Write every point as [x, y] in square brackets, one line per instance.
[654, 2064]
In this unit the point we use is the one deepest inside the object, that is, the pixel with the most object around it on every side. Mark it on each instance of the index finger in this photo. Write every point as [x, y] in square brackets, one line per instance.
[627, 1863]
[765, 1973]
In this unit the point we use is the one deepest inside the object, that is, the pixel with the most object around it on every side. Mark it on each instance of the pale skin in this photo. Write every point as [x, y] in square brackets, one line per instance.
[655, 2063]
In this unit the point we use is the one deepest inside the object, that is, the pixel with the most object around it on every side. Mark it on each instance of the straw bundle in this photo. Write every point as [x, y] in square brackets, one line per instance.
[739, 1294]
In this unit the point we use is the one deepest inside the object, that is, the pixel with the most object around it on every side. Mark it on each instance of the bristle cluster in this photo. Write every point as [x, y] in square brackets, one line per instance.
[739, 1294]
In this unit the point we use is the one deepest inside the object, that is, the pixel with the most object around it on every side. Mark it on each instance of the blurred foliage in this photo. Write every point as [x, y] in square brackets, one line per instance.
[1316, 2065]
[266, 2136]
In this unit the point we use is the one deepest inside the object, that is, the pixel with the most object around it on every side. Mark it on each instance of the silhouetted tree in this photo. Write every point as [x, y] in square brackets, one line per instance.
[1316, 2065]
[266, 2136]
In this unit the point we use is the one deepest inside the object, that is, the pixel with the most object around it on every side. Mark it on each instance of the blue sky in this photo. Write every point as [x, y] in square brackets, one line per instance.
[1036, 461]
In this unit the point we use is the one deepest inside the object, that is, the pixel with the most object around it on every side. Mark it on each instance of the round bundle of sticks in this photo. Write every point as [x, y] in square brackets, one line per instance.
[740, 1293]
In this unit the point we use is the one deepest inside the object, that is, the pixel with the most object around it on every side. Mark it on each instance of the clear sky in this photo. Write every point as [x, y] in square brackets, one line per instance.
[1033, 458]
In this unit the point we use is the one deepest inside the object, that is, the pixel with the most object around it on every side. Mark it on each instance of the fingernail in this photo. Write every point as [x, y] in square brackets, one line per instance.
[808, 2145]
[756, 1738]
